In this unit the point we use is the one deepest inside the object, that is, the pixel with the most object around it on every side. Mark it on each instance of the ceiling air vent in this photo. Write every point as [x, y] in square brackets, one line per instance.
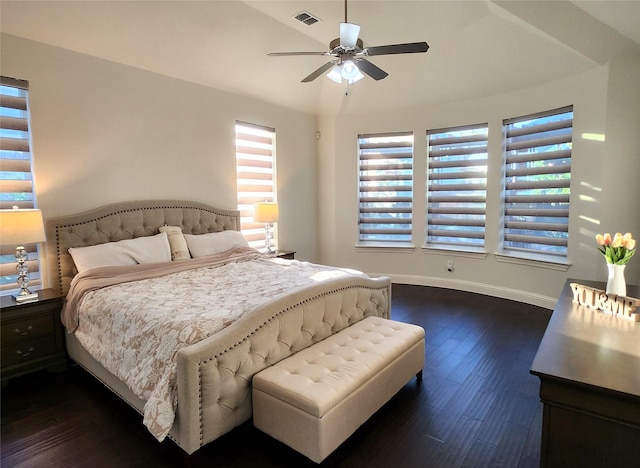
[307, 18]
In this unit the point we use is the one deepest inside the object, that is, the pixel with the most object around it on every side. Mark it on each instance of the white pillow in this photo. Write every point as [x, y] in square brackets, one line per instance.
[151, 249]
[177, 242]
[214, 242]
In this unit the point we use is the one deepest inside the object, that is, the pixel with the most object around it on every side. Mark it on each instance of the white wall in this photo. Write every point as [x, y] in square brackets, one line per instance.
[104, 132]
[604, 190]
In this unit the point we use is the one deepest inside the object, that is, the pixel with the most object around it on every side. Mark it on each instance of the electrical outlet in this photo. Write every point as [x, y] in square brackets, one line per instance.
[450, 265]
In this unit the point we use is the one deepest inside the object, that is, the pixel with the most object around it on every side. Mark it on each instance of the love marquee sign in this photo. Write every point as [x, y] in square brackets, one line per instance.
[620, 306]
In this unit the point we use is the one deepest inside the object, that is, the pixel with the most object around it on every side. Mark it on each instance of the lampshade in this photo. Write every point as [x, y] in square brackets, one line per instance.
[334, 74]
[349, 70]
[266, 212]
[19, 227]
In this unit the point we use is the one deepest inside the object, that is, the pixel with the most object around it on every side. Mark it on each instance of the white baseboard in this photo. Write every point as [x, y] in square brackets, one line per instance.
[490, 290]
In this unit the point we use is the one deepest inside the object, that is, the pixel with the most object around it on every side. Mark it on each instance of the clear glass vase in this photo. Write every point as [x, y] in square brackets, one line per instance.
[616, 283]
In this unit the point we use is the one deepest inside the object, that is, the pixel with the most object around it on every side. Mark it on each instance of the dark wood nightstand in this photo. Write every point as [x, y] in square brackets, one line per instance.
[286, 254]
[32, 335]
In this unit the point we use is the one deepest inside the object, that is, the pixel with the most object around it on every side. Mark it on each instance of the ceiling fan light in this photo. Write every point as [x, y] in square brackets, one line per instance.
[358, 77]
[349, 70]
[335, 75]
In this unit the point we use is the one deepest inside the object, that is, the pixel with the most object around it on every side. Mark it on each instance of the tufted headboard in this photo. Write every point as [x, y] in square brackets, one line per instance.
[125, 220]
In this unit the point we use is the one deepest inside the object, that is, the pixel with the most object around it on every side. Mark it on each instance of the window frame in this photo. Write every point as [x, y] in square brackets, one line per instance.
[400, 231]
[17, 177]
[255, 180]
[559, 178]
[474, 217]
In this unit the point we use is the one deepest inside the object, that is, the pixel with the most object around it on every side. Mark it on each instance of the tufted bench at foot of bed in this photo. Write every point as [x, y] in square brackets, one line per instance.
[314, 400]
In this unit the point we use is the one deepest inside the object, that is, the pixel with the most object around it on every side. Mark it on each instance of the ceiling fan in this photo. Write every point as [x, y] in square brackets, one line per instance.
[349, 55]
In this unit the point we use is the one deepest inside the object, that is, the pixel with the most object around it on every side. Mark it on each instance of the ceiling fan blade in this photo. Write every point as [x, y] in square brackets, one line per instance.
[370, 69]
[349, 34]
[411, 48]
[319, 72]
[284, 54]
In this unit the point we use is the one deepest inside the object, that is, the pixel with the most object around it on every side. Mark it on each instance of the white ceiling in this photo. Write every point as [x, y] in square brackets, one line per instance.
[477, 48]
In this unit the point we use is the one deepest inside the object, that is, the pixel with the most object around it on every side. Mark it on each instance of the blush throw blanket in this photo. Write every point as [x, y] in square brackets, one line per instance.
[133, 320]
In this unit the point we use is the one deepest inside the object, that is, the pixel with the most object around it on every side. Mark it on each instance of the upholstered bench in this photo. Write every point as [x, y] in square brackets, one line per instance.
[314, 400]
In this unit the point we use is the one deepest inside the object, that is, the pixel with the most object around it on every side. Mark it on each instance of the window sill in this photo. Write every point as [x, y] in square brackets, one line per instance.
[540, 261]
[469, 252]
[382, 247]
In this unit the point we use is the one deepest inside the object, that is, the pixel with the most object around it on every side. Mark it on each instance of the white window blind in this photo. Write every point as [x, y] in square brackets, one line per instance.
[255, 169]
[457, 186]
[16, 177]
[386, 187]
[537, 182]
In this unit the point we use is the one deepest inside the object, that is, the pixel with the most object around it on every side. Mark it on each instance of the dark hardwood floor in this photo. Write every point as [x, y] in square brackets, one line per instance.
[477, 406]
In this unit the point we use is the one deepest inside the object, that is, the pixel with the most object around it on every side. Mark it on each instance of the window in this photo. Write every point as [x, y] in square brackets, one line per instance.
[456, 187]
[255, 171]
[16, 179]
[386, 187]
[537, 176]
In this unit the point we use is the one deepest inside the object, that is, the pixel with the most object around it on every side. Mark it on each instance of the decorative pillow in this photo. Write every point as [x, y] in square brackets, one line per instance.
[177, 242]
[214, 242]
[151, 249]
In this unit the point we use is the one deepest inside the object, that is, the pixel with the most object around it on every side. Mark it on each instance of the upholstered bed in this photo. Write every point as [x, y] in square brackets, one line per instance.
[213, 375]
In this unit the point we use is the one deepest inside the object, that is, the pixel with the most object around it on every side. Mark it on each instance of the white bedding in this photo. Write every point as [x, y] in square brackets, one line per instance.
[135, 329]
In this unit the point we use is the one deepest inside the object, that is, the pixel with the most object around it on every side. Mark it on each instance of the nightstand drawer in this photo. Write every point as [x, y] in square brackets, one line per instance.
[28, 350]
[32, 336]
[27, 328]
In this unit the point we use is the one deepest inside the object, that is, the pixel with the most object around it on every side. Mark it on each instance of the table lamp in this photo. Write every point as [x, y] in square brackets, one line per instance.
[19, 227]
[266, 212]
